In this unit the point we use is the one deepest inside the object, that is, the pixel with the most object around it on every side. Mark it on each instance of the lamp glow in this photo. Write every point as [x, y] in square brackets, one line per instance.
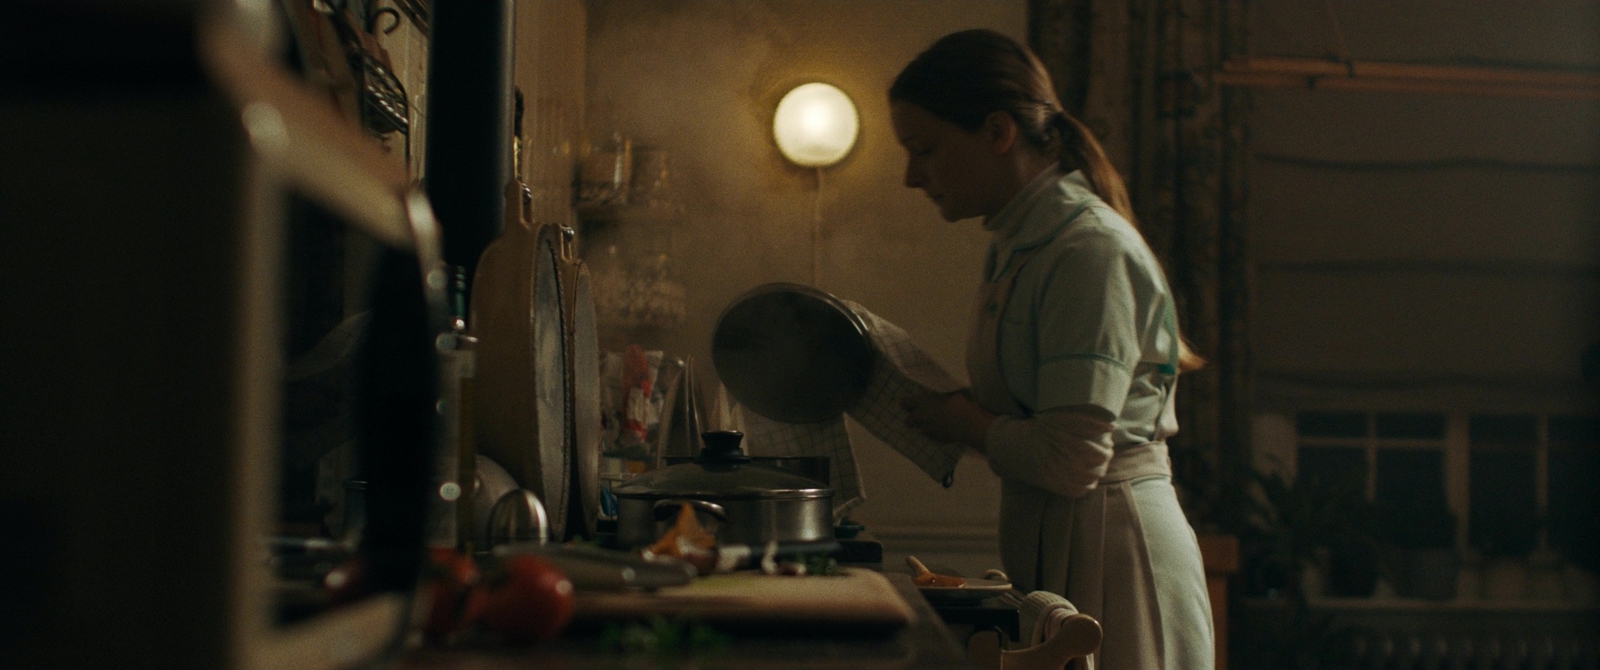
[815, 125]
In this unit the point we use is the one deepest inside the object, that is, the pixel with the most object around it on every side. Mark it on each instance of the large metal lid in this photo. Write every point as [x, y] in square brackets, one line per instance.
[746, 481]
[722, 472]
[583, 382]
[792, 353]
[520, 409]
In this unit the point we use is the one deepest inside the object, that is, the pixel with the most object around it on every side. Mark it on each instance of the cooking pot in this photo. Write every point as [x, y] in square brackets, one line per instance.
[739, 501]
[810, 467]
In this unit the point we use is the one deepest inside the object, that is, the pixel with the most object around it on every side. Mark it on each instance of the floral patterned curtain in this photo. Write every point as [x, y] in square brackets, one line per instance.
[1138, 72]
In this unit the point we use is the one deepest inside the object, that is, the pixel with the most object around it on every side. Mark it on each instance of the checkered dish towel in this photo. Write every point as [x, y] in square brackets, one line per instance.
[900, 369]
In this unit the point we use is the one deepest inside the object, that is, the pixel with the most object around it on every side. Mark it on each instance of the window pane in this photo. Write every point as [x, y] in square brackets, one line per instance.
[1503, 514]
[1409, 477]
[1331, 424]
[1507, 430]
[1333, 467]
[1410, 426]
[1576, 431]
[1409, 492]
[1575, 489]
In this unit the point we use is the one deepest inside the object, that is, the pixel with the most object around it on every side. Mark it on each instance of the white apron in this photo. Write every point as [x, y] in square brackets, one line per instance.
[1123, 553]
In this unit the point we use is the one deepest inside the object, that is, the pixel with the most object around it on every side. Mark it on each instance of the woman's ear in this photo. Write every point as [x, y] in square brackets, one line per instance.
[1000, 130]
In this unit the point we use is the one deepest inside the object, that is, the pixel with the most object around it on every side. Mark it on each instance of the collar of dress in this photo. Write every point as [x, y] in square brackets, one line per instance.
[1035, 216]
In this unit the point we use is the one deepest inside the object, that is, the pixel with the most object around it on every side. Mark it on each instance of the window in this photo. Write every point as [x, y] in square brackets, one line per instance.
[1333, 449]
[1514, 482]
[1392, 458]
[1503, 513]
[1573, 498]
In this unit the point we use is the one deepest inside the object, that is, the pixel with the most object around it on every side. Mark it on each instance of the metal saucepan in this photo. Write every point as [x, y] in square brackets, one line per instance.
[739, 501]
[810, 467]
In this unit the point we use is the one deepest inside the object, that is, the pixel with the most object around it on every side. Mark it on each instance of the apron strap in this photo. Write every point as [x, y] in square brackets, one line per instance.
[983, 345]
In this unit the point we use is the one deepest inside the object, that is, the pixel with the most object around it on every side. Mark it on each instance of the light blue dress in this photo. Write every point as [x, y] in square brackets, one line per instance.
[1075, 312]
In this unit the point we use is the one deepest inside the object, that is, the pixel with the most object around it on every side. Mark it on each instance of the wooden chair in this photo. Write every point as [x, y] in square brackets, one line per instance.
[1078, 637]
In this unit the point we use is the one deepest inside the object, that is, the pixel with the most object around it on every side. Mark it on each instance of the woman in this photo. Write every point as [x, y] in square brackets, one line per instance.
[1074, 352]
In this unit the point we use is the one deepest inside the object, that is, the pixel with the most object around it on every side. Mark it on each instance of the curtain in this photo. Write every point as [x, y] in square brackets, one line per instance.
[1138, 73]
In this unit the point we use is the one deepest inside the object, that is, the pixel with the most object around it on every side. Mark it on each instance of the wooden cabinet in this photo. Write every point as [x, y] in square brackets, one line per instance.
[1220, 555]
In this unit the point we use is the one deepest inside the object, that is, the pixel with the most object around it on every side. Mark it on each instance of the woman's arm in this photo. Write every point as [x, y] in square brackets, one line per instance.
[948, 417]
[1064, 450]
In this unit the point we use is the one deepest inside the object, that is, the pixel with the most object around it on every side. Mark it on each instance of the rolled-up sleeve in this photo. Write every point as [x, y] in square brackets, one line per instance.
[1088, 339]
[1063, 451]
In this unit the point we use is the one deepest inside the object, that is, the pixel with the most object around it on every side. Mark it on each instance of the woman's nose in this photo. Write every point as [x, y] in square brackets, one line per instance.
[914, 178]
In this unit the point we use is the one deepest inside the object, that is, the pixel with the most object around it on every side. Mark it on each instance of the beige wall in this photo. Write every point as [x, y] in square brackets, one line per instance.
[700, 78]
[549, 70]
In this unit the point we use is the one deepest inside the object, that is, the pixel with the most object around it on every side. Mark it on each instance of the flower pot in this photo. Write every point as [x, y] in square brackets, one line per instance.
[1352, 572]
[1428, 573]
[1505, 579]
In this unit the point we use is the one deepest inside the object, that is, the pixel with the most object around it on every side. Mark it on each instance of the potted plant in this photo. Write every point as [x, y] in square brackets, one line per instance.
[1323, 523]
[1420, 536]
[1288, 550]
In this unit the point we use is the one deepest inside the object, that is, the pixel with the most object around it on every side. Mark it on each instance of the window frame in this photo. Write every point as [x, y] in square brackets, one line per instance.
[1456, 444]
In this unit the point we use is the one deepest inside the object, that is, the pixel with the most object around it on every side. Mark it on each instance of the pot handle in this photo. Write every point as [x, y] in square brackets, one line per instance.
[669, 506]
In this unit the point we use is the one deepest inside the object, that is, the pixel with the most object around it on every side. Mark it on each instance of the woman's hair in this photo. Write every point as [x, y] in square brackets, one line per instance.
[966, 76]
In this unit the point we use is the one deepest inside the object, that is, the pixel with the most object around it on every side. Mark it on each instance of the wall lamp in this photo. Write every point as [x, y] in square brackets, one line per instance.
[815, 125]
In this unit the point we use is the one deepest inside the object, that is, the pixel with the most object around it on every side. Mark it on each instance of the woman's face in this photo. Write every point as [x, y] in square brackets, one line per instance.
[958, 170]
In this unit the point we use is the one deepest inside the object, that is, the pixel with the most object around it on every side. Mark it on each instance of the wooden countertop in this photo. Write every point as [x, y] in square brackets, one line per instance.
[926, 643]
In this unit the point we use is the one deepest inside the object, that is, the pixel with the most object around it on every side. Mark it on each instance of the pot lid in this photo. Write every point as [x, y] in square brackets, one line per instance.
[722, 472]
[792, 353]
[522, 368]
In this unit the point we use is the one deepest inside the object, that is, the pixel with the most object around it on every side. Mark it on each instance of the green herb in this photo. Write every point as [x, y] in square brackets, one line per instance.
[822, 564]
[660, 635]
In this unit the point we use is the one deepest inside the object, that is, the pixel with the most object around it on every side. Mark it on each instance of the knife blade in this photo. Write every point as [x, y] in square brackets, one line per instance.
[596, 569]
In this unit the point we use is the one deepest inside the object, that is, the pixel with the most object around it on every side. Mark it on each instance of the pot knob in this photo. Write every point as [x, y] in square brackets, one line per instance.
[722, 446]
[518, 516]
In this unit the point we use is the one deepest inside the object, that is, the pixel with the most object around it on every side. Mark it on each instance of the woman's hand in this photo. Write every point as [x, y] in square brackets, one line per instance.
[948, 417]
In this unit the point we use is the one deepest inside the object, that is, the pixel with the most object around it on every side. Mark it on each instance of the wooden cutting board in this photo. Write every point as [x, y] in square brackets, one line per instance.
[854, 602]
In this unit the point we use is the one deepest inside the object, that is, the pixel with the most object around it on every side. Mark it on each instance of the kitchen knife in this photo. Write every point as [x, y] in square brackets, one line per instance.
[596, 569]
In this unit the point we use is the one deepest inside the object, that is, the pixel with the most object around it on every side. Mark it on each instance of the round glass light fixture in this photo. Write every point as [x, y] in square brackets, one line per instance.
[815, 125]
